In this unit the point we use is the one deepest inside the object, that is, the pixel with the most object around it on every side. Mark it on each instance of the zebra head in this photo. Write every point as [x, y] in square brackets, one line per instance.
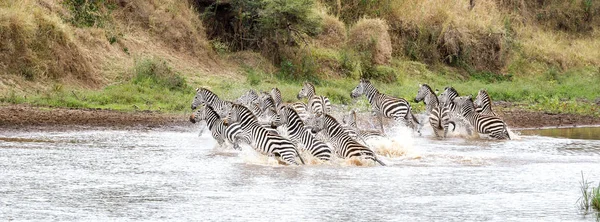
[482, 96]
[272, 117]
[424, 91]
[350, 119]
[249, 97]
[265, 101]
[198, 115]
[360, 89]
[276, 95]
[315, 123]
[199, 98]
[448, 95]
[308, 90]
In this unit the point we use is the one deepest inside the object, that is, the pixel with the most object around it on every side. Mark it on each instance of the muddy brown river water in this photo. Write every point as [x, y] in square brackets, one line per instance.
[175, 174]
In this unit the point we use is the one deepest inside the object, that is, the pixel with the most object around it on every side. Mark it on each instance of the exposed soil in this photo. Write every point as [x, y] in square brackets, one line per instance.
[17, 116]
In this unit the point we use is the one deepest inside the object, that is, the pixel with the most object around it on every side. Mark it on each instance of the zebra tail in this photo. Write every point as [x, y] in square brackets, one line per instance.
[453, 125]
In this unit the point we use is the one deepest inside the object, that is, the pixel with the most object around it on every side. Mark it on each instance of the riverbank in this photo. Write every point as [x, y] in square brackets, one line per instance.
[16, 116]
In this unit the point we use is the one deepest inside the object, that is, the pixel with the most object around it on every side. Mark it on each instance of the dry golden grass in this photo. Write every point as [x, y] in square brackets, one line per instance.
[372, 35]
[38, 45]
[560, 49]
[333, 34]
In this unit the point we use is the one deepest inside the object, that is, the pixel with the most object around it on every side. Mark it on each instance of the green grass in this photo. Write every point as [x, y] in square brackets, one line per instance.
[590, 197]
[153, 85]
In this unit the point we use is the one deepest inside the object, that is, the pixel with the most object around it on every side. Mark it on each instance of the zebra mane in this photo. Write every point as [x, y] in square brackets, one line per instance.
[451, 89]
[428, 88]
[203, 90]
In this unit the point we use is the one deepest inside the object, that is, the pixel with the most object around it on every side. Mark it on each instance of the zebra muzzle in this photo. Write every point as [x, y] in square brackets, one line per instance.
[193, 118]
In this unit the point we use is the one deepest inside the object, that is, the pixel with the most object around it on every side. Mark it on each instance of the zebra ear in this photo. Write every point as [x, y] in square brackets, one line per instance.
[197, 89]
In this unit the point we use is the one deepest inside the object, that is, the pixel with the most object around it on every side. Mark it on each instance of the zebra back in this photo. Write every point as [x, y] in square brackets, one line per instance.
[491, 125]
[299, 134]
[343, 144]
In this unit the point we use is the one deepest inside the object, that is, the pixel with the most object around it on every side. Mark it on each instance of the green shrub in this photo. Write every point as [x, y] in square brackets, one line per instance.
[154, 73]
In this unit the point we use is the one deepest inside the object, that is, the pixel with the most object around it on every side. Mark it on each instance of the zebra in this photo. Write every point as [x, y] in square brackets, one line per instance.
[204, 95]
[483, 103]
[343, 144]
[276, 96]
[490, 125]
[299, 107]
[356, 133]
[438, 120]
[385, 106]
[214, 123]
[299, 134]
[445, 100]
[316, 104]
[266, 101]
[259, 138]
[248, 98]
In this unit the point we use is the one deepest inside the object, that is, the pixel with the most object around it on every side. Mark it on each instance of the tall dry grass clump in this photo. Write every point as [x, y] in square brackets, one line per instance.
[450, 32]
[36, 44]
[333, 33]
[578, 16]
[172, 22]
[371, 35]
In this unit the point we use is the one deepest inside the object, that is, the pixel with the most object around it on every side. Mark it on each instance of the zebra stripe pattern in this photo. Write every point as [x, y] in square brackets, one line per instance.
[343, 144]
[214, 123]
[276, 95]
[205, 96]
[483, 104]
[316, 104]
[353, 131]
[299, 134]
[386, 106]
[437, 120]
[490, 125]
[261, 139]
[448, 106]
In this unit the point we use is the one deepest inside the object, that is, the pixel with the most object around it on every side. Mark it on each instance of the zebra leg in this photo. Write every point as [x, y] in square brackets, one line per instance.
[380, 118]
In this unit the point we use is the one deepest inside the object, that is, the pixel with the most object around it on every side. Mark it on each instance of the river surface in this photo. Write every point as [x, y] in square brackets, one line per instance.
[175, 174]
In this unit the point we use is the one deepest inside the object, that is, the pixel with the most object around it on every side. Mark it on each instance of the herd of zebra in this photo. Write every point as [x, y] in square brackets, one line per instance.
[283, 130]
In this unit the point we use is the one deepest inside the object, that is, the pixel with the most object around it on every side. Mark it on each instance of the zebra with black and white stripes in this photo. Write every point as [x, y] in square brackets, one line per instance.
[438, 120]
[299, 134]
[316, 104]
[446, 100]
[214, 123]
[204, 95]
[386, 106]
[259, 138]
[276, 96]
[483, 103]
[490, 125]
[343, 145]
